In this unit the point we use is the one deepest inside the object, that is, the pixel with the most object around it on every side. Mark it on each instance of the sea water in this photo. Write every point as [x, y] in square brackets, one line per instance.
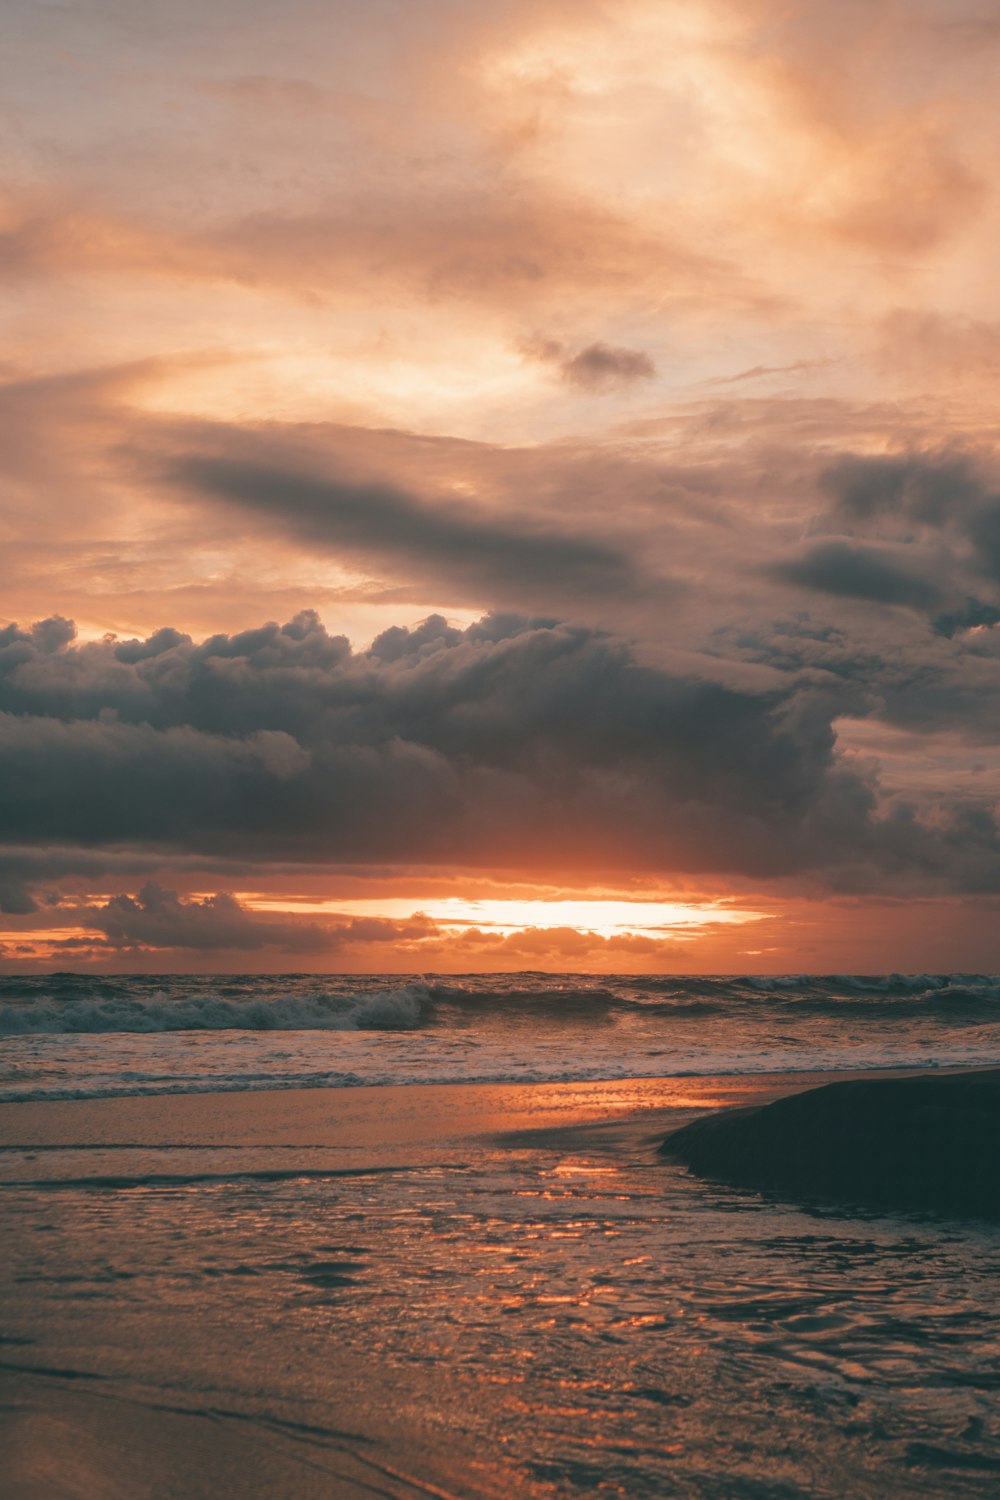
[545, 1316]
[83, 1036]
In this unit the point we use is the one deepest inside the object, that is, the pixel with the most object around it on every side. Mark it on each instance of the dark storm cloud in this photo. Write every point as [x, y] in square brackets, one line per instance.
[510, 740]
[100, 779]
[928, 490]
[450, 540]
[928, 684]
[26, 869]
[916, 531]
[16, 899]
[947, 495]
[972, 614]
[857, 571]
[508, 743]
[984, 533]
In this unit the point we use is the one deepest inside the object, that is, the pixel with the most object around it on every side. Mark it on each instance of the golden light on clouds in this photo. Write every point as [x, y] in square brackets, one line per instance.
[603, 918]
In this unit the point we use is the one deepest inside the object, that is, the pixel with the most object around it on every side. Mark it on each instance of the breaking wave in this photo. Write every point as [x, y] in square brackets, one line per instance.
[383, 1010]
[75, 1003]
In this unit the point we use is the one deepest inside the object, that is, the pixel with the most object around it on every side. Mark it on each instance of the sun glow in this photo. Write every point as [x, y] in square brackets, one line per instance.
[603, 918]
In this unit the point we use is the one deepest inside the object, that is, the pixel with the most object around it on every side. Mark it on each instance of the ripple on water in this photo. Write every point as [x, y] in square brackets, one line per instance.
[608, 1329]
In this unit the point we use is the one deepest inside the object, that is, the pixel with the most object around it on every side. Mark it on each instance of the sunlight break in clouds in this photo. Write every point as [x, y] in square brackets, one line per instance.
[605, 918]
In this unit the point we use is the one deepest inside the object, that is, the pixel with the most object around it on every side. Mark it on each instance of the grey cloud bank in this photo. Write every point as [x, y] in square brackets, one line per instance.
[507, 743]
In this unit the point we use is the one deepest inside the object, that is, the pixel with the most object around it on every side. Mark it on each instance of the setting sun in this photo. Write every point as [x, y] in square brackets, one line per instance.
[601, 918]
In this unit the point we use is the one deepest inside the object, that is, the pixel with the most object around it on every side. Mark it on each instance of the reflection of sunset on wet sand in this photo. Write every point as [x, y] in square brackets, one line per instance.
[534, 1315]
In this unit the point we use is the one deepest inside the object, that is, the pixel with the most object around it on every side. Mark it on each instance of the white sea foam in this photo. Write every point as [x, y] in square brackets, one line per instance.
[446, 1064]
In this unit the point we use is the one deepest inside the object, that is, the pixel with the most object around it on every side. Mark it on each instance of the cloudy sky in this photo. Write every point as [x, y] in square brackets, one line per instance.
[499, 485]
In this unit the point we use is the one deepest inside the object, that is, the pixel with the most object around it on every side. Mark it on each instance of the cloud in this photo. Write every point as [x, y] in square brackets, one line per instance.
[569, 945]
[333, 241]
[947, 496]
[160, 919]
[757, 372]
[910, 193]
[455, 541]
[510, 744]
[465, 242]
[971, 614]
[505, 741]
[601, 368]
[16, 899]
[912, 530]
[597, 367]
[156, 918]
[927, 489]
[857, 571]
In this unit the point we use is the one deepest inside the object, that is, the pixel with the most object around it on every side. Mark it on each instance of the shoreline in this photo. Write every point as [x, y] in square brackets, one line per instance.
[377, 1124]
[366, 1113]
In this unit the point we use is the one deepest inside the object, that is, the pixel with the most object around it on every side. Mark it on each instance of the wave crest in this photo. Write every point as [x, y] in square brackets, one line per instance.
[402, 1009]
[68, 1003]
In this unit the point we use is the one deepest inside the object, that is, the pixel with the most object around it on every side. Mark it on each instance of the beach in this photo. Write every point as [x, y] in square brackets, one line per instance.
[499, 792]
[469, 1290]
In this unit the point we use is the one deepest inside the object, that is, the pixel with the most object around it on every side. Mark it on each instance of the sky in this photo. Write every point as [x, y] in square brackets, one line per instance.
[499, 485]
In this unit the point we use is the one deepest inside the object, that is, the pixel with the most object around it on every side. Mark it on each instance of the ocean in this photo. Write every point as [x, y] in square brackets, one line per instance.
[74, 1036]
[341, 1237]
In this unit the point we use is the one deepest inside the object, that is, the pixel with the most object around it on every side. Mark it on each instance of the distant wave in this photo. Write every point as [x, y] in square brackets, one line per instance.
[384, 1010]
[74, 1003]
[833, 995]
[897, 995]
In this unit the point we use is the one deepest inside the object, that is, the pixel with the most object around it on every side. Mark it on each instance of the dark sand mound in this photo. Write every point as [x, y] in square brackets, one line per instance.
[930, 1143]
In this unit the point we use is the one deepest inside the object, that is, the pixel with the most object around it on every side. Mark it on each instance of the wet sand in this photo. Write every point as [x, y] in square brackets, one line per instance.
[59, 1444]
[371, 1121]
[296, 1132]
[65, 1437]
[69, 1431]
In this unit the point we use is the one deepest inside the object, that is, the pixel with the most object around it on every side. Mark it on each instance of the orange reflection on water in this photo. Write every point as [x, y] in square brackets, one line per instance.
[588, 1169]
